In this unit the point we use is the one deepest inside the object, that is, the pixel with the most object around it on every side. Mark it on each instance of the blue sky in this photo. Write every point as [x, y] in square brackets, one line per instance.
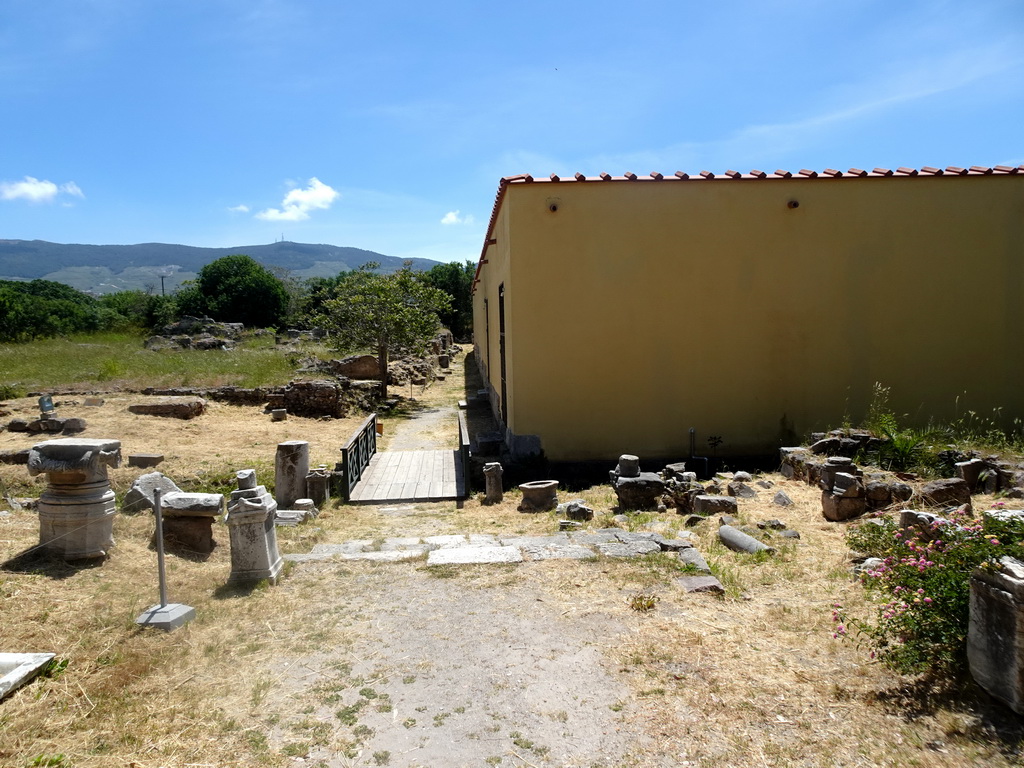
[387, 125]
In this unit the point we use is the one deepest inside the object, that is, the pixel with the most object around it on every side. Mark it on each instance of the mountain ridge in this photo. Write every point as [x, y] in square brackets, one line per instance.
[108, 268]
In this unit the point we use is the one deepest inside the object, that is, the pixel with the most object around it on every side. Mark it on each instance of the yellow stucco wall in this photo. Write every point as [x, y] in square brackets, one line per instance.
[638, 310]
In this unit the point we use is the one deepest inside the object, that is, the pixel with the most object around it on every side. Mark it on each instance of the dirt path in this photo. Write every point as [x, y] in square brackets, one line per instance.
[473, 670]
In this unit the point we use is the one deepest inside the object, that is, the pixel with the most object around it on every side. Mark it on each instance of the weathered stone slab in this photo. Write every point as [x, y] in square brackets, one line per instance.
[560, 552]
[694, 558]
[631, 549]
[398, 543]
[140, 495]
[345, 548]
[181, 504]
[394, 556]
[701, 584]
[597, 537]
[171, 407]
[534, 541]
[445, 542]
[483, 540]
[470, 555]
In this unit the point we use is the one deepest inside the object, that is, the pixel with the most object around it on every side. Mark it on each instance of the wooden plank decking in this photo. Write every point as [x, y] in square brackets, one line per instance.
[411, 476]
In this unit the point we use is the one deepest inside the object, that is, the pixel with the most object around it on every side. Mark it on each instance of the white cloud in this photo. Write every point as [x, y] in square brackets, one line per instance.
[454, 217]
[72, 189]
[37, 191]
[239, 208]
[299, 202]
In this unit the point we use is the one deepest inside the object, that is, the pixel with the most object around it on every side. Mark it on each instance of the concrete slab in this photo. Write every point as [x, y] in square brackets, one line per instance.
[467, 555]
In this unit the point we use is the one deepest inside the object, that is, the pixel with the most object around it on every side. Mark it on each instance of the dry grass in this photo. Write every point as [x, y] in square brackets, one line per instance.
[751, 678]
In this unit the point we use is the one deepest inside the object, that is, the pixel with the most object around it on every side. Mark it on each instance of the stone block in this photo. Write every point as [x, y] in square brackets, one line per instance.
[140, 495]
[714, 505]
[952, 491]
[145, 460]
[189, 534]
[182, 504]
[171, 407]
[995, 635]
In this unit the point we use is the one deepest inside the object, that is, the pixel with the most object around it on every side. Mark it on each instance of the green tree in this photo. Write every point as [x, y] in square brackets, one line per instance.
[391, 314]
[457, 281]
[236, 289]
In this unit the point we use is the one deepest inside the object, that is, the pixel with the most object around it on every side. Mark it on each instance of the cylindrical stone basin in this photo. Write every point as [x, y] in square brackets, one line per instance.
[539, 496]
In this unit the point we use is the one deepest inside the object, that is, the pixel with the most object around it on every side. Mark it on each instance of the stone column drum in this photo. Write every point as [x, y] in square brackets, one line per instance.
[291, 465]
[76, 511]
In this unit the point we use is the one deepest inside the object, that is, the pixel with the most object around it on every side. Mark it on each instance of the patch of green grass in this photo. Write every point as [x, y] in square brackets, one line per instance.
[382, 758]
[350, 715]
[120, 358]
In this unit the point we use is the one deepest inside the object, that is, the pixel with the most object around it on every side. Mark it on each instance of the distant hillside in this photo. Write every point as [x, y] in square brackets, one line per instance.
[109, 268]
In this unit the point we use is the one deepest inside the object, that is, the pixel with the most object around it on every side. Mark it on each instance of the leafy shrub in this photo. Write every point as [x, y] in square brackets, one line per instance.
[922, 589]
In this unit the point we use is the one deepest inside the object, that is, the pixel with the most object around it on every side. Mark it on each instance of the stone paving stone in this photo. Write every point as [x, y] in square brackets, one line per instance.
[394, 556]
[466, 555]
[347, 547]
[445, 542]
[632, 549]
[560, 552]
[534, 541]
[631, 537]
[407, 542]
[599, 537]
[307, 558]
[483, 540]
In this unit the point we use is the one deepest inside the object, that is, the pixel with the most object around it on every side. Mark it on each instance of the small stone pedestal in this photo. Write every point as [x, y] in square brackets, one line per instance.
[76, 511]
[539, 496]
[492, 481]
[250, 520]
[995, 634]
[318, 486]
[291, 465]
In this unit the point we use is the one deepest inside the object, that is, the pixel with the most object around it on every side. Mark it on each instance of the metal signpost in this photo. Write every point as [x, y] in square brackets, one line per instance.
[164, 615]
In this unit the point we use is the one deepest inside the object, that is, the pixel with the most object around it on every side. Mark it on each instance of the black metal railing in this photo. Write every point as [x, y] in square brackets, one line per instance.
[357, 452]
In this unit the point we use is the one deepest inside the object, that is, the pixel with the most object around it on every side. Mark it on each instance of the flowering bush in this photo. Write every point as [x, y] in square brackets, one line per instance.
[922, 588]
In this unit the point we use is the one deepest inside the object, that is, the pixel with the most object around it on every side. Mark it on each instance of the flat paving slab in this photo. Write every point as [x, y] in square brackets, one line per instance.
[467, 555]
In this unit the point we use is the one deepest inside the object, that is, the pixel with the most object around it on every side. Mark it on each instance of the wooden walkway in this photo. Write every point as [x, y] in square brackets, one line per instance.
[411, 476]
